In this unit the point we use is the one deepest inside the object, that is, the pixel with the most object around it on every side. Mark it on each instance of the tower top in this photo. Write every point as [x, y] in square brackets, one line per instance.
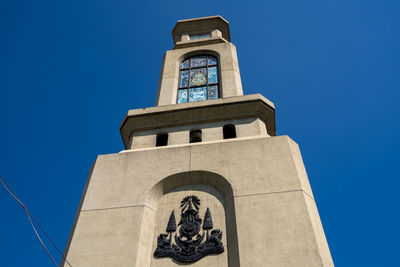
[203, 64]
[201, 29]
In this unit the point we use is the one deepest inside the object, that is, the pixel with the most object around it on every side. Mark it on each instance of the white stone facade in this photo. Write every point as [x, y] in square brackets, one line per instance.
[255, 184]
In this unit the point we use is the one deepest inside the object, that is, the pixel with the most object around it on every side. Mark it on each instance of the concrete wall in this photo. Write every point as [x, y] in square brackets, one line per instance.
[210, 132]
[257, 190]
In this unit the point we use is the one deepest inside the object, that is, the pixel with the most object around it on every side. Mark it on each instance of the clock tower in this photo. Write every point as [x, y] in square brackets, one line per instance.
[203, 179]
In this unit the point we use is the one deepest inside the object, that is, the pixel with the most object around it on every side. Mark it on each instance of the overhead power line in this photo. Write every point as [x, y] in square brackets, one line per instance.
[32, 220]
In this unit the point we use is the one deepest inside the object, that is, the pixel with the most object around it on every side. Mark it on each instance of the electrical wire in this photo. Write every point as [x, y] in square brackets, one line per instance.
[30, 217]
[48, 237]
[37, 235]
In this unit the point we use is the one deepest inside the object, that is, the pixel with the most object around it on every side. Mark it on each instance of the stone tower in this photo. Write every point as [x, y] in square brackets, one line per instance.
[203, 179]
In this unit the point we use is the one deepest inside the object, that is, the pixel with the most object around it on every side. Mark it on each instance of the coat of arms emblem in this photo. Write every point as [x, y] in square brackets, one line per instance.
[189, 245]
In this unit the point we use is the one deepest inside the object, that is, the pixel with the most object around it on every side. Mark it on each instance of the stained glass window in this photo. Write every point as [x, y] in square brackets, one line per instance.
[198, 94]
[182, 96]
[198, 79]
[198, 62]
[200, 36]
[212, 61]
[213, 92]
[185, 64]
[184, 78]
[212, 75]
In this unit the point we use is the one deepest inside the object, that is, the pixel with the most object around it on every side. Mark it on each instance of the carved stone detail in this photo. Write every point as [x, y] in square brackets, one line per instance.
[189, 245]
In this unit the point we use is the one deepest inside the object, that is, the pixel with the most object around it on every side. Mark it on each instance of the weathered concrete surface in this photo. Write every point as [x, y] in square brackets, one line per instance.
[210, 132]
[257, 188]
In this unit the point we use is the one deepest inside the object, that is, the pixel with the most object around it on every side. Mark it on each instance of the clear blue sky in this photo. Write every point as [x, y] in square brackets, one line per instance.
[70, 70]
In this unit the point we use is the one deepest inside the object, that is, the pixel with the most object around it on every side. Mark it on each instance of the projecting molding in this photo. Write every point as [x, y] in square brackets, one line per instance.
[238, 107]
[201, 24]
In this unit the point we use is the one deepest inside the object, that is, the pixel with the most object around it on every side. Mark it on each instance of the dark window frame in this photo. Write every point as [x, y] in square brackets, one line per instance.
[195, 136]
[162, 139]
[229, 131]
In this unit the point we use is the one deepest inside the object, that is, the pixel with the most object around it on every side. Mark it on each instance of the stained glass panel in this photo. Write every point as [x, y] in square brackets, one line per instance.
[198, 62]
[185, 64]
[184, 78]
[198, 77]
[200, 36]
[182, 96]
[198, 94]
[213, 92]
[212, 61]
[212, 75]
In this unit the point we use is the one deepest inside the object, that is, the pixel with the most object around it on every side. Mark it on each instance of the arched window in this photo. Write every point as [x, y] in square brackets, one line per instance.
[229, 131]
[195, 136]
[162, 139]
[198, 79]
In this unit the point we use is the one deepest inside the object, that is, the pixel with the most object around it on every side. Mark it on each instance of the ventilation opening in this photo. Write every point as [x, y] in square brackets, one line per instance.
[195, 136]
[162, 139]
[229, 131]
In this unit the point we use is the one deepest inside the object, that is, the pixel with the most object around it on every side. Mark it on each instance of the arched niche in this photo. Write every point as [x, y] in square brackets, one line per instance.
[204, 183]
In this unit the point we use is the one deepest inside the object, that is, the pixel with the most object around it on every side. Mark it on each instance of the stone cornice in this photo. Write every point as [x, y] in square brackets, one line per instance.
[231, 108]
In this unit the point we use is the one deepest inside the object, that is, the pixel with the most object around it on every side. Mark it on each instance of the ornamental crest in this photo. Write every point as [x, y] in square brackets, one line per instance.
[189, 245]
[198, 77]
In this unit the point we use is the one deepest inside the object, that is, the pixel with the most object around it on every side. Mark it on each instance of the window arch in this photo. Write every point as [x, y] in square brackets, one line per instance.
[198, 79]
